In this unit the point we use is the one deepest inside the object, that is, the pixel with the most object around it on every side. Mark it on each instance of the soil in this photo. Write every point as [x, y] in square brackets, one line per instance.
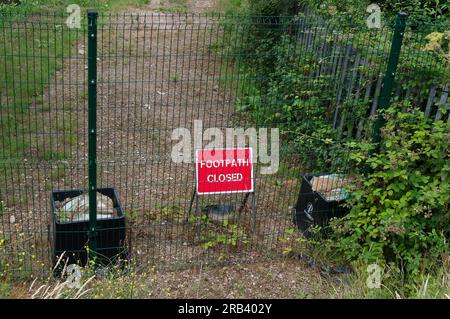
[282, 278]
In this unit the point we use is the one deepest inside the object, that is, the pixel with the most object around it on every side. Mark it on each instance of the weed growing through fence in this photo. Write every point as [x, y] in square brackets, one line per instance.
[173, 213]
[229, 235]
[225, 234]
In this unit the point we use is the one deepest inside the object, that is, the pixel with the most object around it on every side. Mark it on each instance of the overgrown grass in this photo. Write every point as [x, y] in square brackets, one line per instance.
[33, 52]
[24, 76]
[34, 46]
[357, 280]
[59, 6]
[173, 6]
[94, 282]
[434, 285]
[230, 6]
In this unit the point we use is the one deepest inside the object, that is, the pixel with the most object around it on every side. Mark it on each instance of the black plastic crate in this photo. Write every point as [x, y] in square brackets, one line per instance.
[313, 208]
[72, 237]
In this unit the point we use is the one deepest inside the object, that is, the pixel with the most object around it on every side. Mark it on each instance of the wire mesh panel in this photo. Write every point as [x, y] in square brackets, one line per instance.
[157, 74]
[423, 77]
[43, 120]
[170, 84]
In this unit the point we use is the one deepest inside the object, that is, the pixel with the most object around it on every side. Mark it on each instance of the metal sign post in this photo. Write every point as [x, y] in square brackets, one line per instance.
[92, 129]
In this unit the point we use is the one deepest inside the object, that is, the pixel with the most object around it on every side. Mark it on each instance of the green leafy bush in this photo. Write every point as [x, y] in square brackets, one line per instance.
[419, 10]
[431, 9]
[272, 7]
[400, 211]
[283, 92]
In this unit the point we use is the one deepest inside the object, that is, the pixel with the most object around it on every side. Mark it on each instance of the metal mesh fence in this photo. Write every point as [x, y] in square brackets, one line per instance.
[160, 72]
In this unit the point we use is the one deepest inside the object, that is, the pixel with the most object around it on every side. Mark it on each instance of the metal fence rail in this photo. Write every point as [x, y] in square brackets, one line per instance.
[156, 73]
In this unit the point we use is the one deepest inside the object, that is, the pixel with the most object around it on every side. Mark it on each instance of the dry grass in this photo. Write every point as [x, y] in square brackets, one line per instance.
[63, 287]
[281, 277]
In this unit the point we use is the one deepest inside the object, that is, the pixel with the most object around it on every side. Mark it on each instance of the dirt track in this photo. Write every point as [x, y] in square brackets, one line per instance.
[156, 72]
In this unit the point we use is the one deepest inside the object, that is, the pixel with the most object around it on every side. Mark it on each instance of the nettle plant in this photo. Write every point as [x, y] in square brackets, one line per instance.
[400, 210]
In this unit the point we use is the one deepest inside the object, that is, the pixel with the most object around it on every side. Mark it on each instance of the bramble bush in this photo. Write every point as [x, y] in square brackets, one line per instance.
[420, 10]
[400, 211]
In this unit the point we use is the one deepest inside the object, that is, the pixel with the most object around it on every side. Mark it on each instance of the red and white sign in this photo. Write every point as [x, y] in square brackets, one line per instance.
[221, 171]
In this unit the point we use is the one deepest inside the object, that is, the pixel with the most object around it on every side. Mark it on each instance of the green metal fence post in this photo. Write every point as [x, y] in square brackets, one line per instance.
[389, 77]
[92, 129]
